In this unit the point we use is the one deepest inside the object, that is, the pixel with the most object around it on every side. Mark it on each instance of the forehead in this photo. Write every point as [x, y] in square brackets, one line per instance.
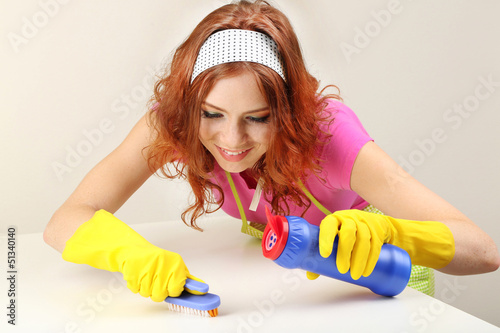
[240, 92]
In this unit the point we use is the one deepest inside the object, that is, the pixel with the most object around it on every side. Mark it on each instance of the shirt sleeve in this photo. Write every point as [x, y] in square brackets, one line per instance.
[348, 137]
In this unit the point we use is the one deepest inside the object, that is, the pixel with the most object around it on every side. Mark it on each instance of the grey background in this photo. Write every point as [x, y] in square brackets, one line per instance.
[73, 69]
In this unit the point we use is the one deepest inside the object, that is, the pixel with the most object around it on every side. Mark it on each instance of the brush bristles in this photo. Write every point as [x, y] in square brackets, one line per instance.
[184, 309]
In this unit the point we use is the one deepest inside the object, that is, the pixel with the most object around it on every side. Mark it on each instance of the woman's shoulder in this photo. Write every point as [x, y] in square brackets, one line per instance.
[336, 106]
[342, 127]
[337, 113]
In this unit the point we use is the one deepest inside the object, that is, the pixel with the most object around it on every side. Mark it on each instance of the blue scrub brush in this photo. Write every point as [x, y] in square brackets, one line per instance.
[205, 305]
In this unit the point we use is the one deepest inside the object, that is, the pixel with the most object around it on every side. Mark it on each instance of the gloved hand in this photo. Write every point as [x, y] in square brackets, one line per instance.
[361, 236]
[107, 243]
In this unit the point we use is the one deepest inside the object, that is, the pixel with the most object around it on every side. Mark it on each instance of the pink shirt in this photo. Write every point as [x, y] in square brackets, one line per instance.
[348, 137]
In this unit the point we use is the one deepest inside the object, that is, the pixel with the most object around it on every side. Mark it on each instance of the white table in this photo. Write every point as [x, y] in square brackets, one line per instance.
[257, 295]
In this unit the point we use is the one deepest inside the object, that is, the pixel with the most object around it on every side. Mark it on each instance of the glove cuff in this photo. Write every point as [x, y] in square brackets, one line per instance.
[99, 242]
[429, 243]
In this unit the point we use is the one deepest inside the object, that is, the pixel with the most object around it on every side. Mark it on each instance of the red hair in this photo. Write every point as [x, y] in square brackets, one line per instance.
[296, 112]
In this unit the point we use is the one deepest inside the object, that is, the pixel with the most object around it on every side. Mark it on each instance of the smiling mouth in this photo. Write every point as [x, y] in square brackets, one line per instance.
[234, 153]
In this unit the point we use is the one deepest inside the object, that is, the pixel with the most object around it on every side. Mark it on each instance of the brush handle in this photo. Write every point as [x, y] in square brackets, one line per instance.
[187, 300]
[204, 302]
[196, 285]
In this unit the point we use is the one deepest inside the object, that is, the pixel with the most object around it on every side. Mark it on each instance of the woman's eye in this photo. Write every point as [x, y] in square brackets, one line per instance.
[216, 115]
[260, 120]
[211, 115]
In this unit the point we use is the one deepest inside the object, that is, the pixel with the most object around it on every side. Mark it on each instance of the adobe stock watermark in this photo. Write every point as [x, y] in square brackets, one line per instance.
[32, 25]
[88, 310]
[291, 280]
[93, 137]
[423, 318]
[453, 118]
[371, 29]
[265, 308]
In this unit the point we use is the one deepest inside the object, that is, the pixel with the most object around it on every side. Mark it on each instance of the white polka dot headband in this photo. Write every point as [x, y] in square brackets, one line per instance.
[235, 45]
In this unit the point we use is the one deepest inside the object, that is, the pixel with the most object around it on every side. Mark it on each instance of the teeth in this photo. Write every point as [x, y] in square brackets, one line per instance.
[234, 153]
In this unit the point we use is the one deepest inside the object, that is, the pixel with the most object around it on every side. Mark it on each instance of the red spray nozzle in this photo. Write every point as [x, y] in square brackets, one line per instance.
[275, 235]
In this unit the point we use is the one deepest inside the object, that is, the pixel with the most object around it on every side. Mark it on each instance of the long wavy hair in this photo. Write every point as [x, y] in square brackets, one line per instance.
[295, 111]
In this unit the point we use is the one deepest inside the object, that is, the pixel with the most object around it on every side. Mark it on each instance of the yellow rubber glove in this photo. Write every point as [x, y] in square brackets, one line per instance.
[361, 236]
[107, 243]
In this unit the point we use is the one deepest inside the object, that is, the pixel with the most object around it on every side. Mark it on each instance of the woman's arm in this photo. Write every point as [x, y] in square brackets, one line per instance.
[107, 186]
[383, 183]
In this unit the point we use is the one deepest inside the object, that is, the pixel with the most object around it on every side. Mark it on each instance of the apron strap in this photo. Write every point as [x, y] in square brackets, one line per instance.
[244, 226]
[244, 222]
[313, 199]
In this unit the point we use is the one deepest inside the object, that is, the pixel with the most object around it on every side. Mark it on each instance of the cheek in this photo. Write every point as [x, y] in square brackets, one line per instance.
[264, 135]
[205, 131]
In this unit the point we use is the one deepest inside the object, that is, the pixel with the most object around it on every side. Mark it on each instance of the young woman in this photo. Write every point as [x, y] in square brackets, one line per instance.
[238, 116]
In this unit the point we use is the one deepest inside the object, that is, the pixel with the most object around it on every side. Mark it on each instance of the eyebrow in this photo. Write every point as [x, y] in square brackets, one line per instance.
[221, 109]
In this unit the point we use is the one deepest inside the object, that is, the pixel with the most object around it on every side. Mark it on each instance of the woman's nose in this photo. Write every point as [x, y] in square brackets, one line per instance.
[233, 134]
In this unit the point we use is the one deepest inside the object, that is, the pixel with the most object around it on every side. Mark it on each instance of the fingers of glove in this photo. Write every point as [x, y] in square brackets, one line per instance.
[375, 248]
[148, 284]
[193, 291]
[361, 250]
[312, 276]
[328, 230]
[155, 273]
[133, 286]
[176, 273]
[347, 239]
[158, 289]
[163, 275]
[175, 288]
[152, 286]
[144, 291]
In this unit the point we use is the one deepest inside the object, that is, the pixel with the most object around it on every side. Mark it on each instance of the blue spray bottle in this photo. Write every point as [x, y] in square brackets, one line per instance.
[292, 242]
